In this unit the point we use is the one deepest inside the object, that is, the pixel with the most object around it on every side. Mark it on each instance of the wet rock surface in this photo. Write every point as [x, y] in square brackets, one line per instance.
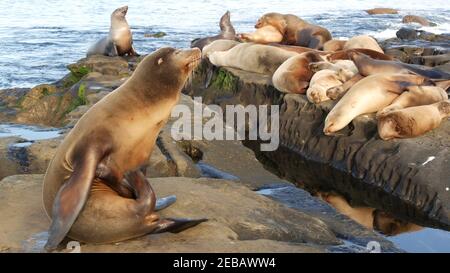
[407, 178]
[240, 220]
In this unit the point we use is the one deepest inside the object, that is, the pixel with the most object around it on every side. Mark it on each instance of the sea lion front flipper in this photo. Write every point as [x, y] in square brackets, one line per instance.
[176, 225]
[70, 200]
[111, 50]
[165, 202]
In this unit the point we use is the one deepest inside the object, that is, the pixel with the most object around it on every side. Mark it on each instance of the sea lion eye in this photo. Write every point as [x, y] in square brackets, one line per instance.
[160, 61]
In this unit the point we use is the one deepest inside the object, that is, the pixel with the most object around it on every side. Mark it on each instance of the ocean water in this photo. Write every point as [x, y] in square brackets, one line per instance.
[38, 38]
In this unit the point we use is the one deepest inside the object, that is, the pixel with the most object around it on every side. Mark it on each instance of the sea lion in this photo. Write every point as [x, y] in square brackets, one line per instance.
[218, 45]
[264, 35]
[320, 82]
[345, 54]
[227, 32]
[368, 66]
[119, 41]
[368, 95]
[334, 45]
[337, 66]
[295, 31]
[252, 57]
[363, 41]
[84, 190]
[337, 92]
[299, 49]
[413, 121]
[415, 96]
[294, 74]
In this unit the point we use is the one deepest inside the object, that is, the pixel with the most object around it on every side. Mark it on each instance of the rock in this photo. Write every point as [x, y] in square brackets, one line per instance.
[33, 158]
[417, 19]
[158, 34]
[393, 176]
[381, 11]
[239, 220]
[407, 34]
[112, 66]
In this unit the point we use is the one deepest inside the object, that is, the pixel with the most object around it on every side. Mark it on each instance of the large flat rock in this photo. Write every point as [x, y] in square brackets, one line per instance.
[408, 178]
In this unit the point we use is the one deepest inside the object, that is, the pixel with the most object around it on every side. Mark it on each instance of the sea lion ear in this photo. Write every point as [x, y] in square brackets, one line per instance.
[160, 61]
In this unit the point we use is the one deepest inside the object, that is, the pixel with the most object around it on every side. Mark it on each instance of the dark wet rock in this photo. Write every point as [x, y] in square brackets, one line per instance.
[344, 227]
[417, 19]
[407, 178]
[414, 34]
[240, 220]
[407, 34]
[381, 11]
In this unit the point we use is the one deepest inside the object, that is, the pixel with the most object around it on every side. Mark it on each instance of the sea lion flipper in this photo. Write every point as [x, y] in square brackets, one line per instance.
[70, 200]
[174, 225]
[165, 202]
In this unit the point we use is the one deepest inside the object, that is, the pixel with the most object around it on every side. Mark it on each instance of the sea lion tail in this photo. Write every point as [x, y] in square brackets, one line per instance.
[174, 225]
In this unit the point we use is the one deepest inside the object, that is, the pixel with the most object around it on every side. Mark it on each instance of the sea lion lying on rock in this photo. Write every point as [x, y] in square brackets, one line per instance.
[252, 57]
[227, 32]
[415, 96]
[294, 30]
[413, 121]
[119, 41]
[363, 41]
[218, 45]
[294, 74]
[264, 35]
[322, 81]
[368, 95]
[368, 66]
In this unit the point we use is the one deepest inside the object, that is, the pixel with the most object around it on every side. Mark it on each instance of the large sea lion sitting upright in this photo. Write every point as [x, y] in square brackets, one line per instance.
[119, 41]
[85, 192]
[227, 32]
[295, 31]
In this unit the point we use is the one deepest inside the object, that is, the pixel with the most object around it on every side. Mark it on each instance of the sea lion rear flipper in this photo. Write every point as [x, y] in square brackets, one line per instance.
[174, 225]
[70, 200]
[165, 202]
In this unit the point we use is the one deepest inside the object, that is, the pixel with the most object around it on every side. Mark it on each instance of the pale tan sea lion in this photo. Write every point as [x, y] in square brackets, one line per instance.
[85, 192]
[334, 45]
[252, 57]
[363, 41]
[264, 35]
[119, 41]
[415, 96]
[337, 92]
[368, 95]
[320, 82]
[413, 121]
[218, 45]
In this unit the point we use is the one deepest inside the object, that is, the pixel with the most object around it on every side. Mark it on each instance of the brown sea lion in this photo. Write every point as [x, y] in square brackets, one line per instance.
[345, 54]
[368, 66]
[415, 96]
[119, 41]
[252, 57]
[227, 32]
[413, 121]
[368, 95]
[84, 191]
[298, 49]
[295, 31]
[294, 74]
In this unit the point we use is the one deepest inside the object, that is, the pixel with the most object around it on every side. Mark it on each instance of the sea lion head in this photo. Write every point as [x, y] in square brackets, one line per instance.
[168, 67]
[273, 19]
[390, 226]
[120, 13]
[394, 125]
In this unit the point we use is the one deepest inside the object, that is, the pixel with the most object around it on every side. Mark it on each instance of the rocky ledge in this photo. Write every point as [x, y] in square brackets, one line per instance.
[408, 178]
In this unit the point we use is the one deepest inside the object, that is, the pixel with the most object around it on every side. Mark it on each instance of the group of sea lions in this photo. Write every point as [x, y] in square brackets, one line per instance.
[95, 189]
[409, 100]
